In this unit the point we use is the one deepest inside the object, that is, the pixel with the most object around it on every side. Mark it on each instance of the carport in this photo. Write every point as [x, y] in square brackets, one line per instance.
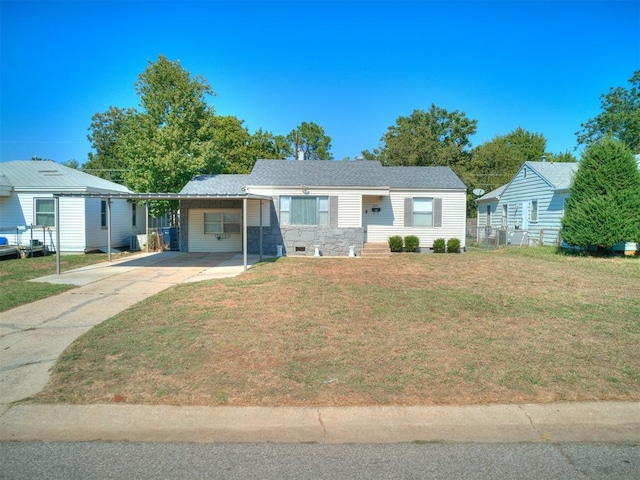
[147, 197]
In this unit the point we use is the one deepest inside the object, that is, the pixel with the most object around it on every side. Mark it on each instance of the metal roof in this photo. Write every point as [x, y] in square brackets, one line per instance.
[46, 175]
[158, 196]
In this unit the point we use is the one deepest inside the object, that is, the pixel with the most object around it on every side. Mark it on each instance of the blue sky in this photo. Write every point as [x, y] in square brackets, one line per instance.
[351, 67]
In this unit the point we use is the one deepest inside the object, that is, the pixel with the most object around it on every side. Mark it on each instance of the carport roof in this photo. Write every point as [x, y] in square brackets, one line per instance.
[160, 196]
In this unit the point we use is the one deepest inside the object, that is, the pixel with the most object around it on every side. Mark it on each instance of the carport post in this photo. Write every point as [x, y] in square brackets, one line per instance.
[260, 247]
[244, 232]
[146, 222]
[109, 229]
[57, 204]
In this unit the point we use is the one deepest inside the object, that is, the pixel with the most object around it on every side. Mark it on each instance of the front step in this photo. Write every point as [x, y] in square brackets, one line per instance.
[375, 249]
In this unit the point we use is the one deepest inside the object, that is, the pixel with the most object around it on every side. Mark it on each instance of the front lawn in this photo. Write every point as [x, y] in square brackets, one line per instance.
[512, 325]
[15, 288]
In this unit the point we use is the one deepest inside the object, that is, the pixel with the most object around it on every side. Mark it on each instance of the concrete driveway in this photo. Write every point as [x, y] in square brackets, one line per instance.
[34, 335]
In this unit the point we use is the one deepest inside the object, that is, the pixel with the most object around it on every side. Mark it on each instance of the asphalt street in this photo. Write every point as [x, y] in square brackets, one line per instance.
[523, 461]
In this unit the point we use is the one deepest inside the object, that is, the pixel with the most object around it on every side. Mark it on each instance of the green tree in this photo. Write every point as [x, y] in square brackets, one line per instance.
[107, 131]
[495, 162]
[603, 208]
[434, 137]
[308, 142]
[620, 117]
[171, 139]
[235, 150]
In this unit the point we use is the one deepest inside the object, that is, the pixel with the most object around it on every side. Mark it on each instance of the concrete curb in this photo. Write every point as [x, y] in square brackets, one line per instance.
[571, 422]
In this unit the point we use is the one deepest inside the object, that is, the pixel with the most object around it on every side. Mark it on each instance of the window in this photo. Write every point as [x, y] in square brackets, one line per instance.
[489, 215]
[103, 214]
[422, 212]
[45, 212]
[505, 215]
[304, 210]
[534, 210]
[222, 222]
[134, 213]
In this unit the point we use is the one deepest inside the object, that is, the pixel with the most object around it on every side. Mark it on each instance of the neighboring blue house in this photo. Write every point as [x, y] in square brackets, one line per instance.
[329, 205]
[532, 202]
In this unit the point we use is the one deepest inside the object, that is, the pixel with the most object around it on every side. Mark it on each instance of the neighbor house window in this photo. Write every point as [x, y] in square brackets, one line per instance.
[222, 222]
[422, 212]
[134, 212]
[45, 212]
[304, 210]
[505, 215]
[489, 215]
[534, 210]
[103, 214]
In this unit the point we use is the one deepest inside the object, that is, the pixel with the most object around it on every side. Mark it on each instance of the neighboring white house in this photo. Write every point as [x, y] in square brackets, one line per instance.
[331, 205]
[27, 208]
[532, 202]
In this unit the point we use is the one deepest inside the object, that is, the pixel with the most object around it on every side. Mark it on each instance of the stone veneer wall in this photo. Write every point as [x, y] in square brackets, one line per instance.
[332, 241]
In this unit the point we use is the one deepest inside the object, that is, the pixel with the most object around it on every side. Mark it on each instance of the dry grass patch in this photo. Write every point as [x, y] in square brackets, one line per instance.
[502, 326]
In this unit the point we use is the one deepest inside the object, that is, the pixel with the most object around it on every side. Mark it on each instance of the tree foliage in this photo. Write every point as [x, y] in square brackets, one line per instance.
[495, 162]
[308, 142]
[619, 118]
[236, 150]
[434, 137]
[604, 204]
[173, 136]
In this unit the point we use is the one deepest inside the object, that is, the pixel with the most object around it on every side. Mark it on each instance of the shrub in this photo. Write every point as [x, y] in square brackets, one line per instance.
[439, 245]
[395, 243]
[453, 245]
[411, 243]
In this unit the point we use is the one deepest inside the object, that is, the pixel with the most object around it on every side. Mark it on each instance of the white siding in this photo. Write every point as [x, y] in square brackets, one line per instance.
[121, 223]
[80, 228]
[349, 201]
[391, 220]
[18, 211]
[253, 213]
[201, 242]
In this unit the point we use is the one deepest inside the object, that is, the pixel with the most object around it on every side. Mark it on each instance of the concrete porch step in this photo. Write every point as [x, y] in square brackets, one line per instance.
[375, 249]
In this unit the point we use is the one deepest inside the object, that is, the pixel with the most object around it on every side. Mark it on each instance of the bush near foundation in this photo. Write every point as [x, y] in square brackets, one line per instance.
[411, 243]
[439, 245]
[453, 245]
[395, 243]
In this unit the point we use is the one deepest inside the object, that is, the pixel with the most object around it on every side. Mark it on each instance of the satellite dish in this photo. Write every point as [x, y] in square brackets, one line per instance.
[478, 192]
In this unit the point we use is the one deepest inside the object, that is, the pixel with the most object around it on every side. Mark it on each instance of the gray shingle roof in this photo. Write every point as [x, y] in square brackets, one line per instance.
[224, 184]
[328, 174]
[53, 177]
[316, 172]
[557, 174]
[493, 194]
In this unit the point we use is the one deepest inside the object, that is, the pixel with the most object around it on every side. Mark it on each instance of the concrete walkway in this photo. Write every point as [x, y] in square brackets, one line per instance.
[34, 335]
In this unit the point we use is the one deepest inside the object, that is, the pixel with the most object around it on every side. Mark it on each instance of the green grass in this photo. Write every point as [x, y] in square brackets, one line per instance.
[509, 325]
[15, 275]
